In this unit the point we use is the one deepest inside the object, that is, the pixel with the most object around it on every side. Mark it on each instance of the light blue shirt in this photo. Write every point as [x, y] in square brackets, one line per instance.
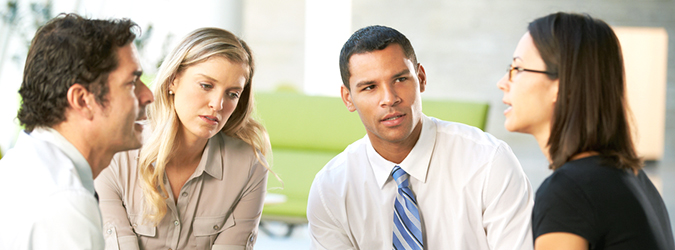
[48, 198]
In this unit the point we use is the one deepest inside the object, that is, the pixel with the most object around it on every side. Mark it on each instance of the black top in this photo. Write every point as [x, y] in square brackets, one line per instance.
[609, 207]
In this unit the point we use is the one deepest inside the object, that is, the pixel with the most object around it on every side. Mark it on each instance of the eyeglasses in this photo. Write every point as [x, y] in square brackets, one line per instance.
[511, 69]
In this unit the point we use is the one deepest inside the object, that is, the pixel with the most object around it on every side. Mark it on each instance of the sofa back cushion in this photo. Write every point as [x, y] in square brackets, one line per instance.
[298, 121]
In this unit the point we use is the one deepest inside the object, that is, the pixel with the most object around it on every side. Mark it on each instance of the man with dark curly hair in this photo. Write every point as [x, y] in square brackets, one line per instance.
[82, 102]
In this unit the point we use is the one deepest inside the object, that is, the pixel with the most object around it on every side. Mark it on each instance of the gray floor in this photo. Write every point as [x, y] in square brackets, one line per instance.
[534, 164]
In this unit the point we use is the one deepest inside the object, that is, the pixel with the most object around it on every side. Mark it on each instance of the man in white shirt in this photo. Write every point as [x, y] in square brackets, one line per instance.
[81, 100]
[462, 188]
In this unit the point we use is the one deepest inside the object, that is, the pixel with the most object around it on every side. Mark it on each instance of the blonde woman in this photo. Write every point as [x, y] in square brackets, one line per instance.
[199, 180]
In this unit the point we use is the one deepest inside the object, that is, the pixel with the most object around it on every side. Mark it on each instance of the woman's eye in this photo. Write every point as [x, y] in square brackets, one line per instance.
[234, 95]
[206, 86]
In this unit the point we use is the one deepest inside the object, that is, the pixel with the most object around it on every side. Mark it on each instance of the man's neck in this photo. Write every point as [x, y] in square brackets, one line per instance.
[396, 152]
[96, 153]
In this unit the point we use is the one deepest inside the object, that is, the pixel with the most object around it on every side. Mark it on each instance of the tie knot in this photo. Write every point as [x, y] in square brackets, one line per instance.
[400, 176]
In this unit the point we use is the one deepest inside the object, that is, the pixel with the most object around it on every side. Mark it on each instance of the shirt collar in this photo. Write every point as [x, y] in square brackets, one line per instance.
[416, 164]
[212, 160]
[81, 164]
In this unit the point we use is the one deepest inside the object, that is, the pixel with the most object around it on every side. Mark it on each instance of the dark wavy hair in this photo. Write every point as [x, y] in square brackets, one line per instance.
[69, 49]
[590, 113]
[369, 39]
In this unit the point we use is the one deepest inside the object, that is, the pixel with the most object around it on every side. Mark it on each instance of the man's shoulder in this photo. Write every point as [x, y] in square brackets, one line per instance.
[47, 168]
[340, 165]
[469, 145]
[34, 150]
[33, 157]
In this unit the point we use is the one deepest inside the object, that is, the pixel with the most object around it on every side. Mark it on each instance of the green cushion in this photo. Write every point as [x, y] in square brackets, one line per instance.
[324, 123]
[470, 113]
[308, 122]
[296, 168]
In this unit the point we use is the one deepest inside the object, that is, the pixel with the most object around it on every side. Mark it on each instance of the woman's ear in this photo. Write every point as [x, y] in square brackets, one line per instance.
[554, 89]
[172, 86]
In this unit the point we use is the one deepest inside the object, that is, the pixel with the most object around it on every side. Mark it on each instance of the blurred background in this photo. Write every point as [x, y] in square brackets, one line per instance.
[464, 45]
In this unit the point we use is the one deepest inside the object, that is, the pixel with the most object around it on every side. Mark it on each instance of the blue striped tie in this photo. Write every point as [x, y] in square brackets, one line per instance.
[407, 226]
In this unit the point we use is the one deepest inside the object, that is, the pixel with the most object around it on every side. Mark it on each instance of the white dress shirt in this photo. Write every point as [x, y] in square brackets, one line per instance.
[470, 188]
[48, 200]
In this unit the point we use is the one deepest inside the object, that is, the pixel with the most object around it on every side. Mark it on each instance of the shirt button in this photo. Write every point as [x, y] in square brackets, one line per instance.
[184, 194]
[109, 231]
[216, 227]
[176, 223]
[250, 238]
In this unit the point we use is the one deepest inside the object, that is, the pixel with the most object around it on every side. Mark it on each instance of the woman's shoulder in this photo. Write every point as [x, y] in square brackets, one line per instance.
[235, 149]
[124, 161]
[589, 169]
[231, 143]
[591, 178]
[122, 168]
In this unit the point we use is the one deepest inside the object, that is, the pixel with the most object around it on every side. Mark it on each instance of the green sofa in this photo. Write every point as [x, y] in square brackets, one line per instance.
[307, 131]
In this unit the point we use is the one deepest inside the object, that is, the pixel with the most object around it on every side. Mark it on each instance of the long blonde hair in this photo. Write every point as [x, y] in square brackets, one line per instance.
[197, 47]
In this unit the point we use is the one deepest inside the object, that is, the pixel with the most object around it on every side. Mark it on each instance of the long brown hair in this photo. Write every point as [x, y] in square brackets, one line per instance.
[590, 113]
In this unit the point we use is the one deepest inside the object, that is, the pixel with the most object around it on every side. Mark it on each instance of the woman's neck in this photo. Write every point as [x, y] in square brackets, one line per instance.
[188, 150]
[542, 140]
[583, 155]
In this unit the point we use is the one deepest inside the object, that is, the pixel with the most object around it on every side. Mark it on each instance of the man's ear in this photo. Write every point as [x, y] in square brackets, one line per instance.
[81, 101]
[422, 76]
[347, 99]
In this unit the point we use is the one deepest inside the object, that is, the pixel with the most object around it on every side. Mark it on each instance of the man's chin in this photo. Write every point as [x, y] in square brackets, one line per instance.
[136, 142]
[132, 146]
[394, 138]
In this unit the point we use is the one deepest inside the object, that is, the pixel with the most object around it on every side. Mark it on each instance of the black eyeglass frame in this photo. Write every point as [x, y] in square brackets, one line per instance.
[510, 69]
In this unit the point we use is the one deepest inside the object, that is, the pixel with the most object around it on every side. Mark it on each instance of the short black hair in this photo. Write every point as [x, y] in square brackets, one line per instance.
[369, 39]
[69, 49]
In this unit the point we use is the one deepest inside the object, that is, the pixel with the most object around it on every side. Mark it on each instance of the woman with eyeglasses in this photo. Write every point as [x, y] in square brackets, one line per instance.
[566, 87]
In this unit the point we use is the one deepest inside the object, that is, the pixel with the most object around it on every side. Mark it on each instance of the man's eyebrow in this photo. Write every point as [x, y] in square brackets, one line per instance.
[363, 83]
[402, 73]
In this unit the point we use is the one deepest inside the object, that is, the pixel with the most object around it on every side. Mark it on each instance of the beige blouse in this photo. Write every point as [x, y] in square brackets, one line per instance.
[219, 206]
